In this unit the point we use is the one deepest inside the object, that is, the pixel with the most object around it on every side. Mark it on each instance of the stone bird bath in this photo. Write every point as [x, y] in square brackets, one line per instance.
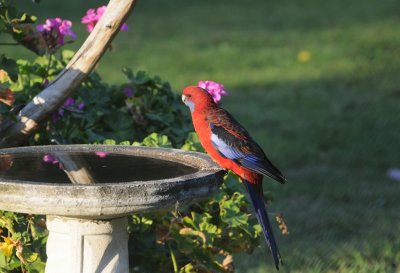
[87, 191]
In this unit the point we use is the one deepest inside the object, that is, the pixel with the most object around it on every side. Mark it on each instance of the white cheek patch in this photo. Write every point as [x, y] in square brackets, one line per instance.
[190, 104]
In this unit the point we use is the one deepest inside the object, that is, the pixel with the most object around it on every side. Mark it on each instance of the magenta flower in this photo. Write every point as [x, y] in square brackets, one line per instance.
[55, 30]
[93, 16]
[216, 90]
[49, 158]
[101, 154]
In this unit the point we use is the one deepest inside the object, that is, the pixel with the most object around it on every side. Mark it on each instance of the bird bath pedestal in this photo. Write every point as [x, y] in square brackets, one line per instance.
[87, 191]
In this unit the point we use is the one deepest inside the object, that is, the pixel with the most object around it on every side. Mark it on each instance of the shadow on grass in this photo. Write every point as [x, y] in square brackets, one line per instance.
[335, 140]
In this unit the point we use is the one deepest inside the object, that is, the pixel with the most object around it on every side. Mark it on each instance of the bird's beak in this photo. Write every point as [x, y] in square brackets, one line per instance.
[188, 103]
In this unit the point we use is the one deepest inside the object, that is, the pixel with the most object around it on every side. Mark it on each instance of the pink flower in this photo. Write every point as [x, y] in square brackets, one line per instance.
[54, 31]
[90, 19]
[49, 158]
[216, 90]
[65, 29]
[93, 16]
[101, 154]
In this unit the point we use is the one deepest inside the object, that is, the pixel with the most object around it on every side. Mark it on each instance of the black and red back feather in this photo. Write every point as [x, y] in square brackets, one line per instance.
[234, 142]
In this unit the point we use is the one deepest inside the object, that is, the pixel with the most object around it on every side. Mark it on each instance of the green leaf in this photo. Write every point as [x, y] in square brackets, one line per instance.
[146, 221]
[30, 256]
[26, 18]
[119, 121]
[155, 117]
[67, 54]
[109, 142]
[192, 143]
[7, 220]
[187, 221]
[155, 140]
[10, 12]
[188, 268]
[3, 26]
[128, 72]
[231, 211]
[2, 260]
[10, 66]
[141, 78]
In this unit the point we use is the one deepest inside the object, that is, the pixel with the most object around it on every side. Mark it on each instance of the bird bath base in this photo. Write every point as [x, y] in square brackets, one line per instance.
[87, 191]
[84, 245]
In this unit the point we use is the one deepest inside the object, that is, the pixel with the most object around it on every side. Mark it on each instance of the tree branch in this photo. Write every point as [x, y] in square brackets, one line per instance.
[52, 97]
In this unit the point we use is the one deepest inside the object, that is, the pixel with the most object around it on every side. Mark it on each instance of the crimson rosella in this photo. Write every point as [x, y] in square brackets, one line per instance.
[231, 146]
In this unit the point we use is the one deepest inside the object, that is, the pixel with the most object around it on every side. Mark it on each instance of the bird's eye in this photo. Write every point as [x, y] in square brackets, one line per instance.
[188, 95]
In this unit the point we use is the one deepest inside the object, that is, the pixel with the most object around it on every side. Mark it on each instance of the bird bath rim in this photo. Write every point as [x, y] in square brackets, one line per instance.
[111, 200]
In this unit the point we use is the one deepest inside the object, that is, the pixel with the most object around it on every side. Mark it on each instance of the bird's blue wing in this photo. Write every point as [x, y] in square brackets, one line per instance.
[225, 148]
[232, 141]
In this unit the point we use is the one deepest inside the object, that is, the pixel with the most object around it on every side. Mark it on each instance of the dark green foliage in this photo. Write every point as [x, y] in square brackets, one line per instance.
[20, 26]
[105, 111]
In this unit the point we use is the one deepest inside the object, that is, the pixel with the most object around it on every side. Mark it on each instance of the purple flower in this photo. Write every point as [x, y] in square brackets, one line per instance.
[54, 31]
[124, 27]
[80, 106]
[69, 104]
[216, 90]
[57, 115]
[93, 16]
[394, 174]
[128, 92]
[46, 82]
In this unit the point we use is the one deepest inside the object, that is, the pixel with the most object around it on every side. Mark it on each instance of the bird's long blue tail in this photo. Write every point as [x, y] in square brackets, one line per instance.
[256, 196]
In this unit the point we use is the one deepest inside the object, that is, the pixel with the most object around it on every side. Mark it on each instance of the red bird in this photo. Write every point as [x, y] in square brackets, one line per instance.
[231, 146]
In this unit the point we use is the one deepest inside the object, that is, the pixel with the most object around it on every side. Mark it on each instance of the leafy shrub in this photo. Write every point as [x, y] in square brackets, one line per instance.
[98, 111]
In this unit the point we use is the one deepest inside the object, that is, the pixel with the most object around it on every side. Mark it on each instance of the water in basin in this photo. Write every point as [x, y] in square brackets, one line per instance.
[103, 167]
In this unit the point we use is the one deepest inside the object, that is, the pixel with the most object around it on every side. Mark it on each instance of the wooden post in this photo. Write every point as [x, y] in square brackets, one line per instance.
[53, 96]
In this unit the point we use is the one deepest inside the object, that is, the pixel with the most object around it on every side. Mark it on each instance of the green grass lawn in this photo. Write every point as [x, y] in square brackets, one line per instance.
[332, 124]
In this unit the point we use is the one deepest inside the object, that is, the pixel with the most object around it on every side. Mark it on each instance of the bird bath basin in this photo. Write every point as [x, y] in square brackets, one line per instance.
[87, 191]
